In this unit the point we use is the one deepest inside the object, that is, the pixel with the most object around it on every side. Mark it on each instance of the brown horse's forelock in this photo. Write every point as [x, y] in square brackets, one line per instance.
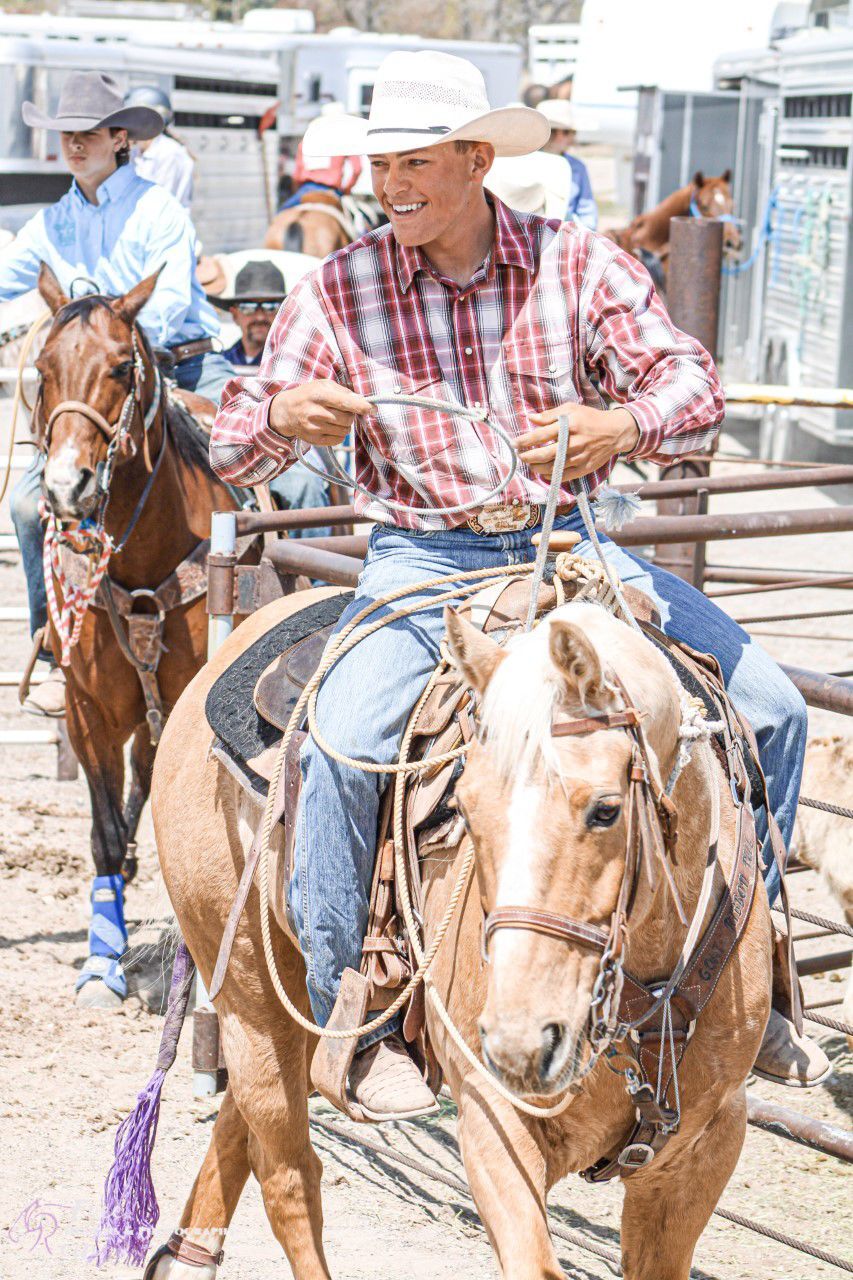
[188, 437]
[80, 309]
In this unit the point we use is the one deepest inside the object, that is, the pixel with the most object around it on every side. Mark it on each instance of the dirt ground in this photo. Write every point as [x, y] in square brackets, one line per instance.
[69, 1075]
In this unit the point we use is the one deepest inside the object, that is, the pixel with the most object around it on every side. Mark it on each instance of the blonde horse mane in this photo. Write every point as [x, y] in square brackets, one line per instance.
[526, 689]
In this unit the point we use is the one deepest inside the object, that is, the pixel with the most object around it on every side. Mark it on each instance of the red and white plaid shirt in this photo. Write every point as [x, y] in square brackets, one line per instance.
[555, 314]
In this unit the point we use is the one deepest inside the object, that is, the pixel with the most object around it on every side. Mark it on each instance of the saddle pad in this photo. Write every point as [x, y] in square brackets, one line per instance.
[230, 710]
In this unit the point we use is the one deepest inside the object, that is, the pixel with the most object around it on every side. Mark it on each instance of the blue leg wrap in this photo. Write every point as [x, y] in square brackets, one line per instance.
[107, 936]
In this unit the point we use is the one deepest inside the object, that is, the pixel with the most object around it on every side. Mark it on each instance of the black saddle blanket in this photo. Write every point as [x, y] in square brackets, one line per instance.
[230, 709]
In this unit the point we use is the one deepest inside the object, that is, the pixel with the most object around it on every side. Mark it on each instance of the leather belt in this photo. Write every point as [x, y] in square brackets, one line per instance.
[185, 350]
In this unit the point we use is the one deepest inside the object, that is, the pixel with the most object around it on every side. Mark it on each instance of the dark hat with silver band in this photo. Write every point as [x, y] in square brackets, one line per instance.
[90, 100]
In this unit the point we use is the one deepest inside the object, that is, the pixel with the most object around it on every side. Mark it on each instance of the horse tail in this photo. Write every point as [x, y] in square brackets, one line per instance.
[130, 1209]
[293, 238]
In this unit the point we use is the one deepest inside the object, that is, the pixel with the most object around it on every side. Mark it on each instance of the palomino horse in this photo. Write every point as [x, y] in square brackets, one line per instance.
[318, 225]
[131, 465]
[648, 235]
[551, 820]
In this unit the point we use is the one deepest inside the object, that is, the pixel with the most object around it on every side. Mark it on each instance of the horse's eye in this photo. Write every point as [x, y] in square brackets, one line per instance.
[122, 370]
[603, 814]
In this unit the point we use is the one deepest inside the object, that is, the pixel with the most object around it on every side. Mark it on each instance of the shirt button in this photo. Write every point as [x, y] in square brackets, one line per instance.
[397, 390]
[477, 404]
[552, 368]
[469, 351]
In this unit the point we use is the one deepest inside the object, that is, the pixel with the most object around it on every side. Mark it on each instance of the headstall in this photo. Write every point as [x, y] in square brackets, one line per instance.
[90, 538]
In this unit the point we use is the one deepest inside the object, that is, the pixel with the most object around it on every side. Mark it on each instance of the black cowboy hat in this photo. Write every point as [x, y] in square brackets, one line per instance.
[258, 281]
[90, 100]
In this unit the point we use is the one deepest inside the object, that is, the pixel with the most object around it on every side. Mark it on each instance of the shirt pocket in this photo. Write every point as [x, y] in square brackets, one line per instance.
[405, 435]
[539, 376]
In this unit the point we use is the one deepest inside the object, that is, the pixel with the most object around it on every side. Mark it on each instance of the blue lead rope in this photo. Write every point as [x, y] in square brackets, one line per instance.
[107, 936]
[770, 233]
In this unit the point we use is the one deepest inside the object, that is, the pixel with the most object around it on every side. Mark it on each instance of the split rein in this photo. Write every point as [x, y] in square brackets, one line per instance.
[90, 538]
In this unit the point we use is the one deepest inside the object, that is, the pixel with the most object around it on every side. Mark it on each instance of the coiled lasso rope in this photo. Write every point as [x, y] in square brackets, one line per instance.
[458, 586]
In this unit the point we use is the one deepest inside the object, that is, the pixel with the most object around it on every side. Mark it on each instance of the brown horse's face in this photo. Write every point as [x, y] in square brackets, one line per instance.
[713, 197]
[88, 357]
[548, 820]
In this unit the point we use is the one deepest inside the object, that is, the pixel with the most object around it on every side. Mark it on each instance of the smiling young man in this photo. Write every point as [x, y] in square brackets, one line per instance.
[461, 299]
[111, 230]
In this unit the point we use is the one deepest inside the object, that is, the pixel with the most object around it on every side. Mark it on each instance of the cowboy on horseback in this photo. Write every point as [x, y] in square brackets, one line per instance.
[335, 174]
[111, 230]
[462, 299]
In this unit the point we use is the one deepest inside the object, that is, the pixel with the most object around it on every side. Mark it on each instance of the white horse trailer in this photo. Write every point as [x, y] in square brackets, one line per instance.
[808, 310]
[219, 103]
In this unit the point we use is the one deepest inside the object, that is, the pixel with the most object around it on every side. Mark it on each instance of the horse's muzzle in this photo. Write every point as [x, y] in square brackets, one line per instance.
[534, 1060]
[72, 497]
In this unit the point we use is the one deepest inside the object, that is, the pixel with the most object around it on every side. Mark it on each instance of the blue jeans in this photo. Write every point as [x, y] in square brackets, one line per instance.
[297, 488]
[24, 508]
[365, 701]
[206, 374]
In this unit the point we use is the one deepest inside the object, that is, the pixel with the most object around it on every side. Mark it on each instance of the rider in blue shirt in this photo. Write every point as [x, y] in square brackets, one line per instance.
[111, 230]
[560, 115]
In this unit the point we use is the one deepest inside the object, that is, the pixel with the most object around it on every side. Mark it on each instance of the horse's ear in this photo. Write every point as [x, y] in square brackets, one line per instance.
[474, 655]
[727, 176]
[50, 289]
[129, 305]
[698, 178]
[576, 659]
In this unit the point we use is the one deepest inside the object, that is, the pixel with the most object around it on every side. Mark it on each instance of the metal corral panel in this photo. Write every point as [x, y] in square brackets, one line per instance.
[808, 310]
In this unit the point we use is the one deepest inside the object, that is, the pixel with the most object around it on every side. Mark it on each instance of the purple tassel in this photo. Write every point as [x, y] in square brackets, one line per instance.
[130, 1213]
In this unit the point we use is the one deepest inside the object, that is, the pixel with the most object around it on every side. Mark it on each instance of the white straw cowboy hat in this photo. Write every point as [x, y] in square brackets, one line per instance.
[420, 99]
[559, 113]
[537, 183]
[90, 100]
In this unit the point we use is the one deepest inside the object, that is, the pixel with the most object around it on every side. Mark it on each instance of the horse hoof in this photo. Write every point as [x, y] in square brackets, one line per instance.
[97, 995]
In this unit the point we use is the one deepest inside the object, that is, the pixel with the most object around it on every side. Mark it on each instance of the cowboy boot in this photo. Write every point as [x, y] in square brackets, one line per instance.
[387, 1085]
[787, 1057]
[48, 697]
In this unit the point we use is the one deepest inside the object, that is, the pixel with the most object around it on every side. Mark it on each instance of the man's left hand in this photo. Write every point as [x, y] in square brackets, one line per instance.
[595, 436]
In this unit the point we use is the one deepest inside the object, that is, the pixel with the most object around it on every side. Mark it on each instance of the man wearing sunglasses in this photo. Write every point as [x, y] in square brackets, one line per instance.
[259, 290]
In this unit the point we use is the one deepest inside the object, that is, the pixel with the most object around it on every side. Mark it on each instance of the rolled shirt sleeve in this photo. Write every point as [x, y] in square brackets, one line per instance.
[300, 347]
[172, 247]
[666, 379]
[21, 259]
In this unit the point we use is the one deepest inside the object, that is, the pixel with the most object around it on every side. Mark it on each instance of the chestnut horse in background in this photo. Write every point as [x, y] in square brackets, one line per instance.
[550, 818]
[318, 225]
[647, 237]
[123, 458]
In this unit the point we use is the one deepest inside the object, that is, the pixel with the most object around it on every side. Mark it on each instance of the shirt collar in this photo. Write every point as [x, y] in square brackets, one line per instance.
[112, 188]
[512, 248]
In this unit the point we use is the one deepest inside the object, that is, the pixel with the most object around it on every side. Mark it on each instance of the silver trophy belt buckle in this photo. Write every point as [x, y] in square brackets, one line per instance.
[508, 517]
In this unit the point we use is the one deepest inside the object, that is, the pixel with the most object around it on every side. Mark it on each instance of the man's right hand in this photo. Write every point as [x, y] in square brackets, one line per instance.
[320, 413]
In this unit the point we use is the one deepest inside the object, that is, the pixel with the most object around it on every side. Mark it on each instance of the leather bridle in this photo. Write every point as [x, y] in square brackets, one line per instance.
[652, 823]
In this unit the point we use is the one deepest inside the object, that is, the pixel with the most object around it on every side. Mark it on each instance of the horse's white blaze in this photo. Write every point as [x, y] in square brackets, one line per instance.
[518, 882]
[62, 470]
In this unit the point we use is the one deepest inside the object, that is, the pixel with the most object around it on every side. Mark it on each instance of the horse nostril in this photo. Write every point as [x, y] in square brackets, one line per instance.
[553, 1034]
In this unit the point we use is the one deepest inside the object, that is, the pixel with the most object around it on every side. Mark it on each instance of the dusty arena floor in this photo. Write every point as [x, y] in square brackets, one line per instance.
[69, 1076]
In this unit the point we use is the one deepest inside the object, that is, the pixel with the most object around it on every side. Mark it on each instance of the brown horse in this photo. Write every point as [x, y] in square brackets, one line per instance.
[550, 820]
[648, 234]
[318, 225]
[121, 456]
